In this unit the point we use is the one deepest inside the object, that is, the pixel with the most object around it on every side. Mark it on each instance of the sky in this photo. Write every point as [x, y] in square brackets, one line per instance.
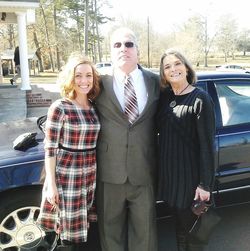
[165, 15]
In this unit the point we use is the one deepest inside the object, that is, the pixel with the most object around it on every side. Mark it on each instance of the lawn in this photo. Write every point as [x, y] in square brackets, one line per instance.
[41, 77]
[213, 61]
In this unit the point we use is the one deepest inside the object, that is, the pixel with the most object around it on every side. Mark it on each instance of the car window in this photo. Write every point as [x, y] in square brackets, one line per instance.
[98, 65]
[234, 99]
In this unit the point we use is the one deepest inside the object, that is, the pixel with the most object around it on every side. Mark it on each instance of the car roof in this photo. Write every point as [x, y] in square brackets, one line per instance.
[213, 75]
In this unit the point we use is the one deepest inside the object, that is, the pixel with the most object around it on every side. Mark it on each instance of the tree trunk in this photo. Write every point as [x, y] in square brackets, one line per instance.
[38, 51]
[56, 38]
[225, 57]
[47, 39]
[11, 37]
[78, 30]
[97, 33]
[86, 36]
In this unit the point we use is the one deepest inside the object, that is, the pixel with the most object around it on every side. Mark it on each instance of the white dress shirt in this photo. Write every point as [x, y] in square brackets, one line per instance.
[139, 86]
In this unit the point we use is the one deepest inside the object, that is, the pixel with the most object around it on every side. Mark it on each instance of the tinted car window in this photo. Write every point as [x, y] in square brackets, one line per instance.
[234, 99]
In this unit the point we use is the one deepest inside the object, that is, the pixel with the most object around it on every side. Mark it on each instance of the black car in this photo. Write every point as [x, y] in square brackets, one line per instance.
[20, 172]
[231, 95]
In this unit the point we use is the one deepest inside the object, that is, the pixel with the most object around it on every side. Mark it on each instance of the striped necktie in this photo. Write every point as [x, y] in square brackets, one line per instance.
[131, 105]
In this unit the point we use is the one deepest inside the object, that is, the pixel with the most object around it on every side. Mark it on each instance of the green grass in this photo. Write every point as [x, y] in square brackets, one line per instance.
[219, 60]
[213, 60]
[41, 77]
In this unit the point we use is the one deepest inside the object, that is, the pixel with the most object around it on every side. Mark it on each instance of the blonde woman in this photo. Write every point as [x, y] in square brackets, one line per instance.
[71, 132]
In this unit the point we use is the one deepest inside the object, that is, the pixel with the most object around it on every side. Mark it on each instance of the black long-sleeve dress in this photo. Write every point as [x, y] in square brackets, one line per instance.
[186, 146]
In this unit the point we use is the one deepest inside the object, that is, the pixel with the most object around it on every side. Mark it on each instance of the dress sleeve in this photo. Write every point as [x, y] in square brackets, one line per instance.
[53, 129]
[205, 122]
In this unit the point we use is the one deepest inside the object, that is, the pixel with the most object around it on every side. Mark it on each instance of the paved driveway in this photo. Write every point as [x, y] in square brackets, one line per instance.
[232, 234]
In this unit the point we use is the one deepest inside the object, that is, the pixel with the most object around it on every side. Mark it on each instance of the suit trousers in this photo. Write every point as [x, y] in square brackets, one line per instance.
[126, 217]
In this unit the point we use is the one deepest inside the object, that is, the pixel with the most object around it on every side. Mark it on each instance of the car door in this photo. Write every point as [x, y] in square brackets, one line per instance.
[233, 136]
[232, 108]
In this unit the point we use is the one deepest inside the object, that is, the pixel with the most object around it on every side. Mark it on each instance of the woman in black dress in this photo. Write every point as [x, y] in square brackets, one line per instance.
[186, 124]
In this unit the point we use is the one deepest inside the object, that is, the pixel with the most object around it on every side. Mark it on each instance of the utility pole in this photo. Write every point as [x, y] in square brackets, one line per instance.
[148, 43]
[206, 49]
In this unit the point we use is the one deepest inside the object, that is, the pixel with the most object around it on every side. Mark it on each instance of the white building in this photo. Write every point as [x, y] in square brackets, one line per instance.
[22, 13]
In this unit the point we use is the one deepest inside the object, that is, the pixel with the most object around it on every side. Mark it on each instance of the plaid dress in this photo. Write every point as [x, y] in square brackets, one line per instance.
[73, 128]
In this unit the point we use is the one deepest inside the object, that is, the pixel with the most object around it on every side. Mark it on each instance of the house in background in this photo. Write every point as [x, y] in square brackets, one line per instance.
[8, 65]
[22, 13]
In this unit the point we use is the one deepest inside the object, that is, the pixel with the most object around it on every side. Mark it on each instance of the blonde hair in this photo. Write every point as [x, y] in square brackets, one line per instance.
[67, 75]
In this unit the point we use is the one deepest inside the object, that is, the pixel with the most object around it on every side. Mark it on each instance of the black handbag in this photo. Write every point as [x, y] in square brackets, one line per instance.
[207, 220]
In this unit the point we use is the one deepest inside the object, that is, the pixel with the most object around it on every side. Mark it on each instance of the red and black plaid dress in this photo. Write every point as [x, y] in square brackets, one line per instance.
[76, 129]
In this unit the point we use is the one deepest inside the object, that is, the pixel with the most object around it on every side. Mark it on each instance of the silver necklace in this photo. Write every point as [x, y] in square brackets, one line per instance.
[173, 103]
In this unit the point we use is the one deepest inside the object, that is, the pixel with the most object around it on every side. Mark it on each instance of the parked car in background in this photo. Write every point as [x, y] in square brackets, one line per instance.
[104, 67]
[103, 64]
[21, 172]
[232, 68]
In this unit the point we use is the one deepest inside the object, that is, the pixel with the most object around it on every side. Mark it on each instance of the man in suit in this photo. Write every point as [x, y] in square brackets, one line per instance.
[126, 151]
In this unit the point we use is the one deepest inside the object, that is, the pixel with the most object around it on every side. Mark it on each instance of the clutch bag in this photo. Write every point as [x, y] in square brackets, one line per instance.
[207, 220]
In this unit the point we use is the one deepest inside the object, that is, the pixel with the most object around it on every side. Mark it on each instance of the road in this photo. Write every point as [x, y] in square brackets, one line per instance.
[232, 233]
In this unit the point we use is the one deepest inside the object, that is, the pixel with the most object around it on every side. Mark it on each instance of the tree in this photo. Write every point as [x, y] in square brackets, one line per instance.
[62, 26]
[47, 31]
[227, 36]
[38, 48]
[196, 39]
[243, 43]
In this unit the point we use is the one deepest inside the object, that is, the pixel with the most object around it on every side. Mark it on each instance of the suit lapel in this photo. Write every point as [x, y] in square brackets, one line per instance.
[107, 81]
[108, 86]
[150, 91]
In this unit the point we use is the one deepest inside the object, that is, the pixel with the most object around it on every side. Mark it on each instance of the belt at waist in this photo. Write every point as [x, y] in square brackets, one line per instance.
[76, 150]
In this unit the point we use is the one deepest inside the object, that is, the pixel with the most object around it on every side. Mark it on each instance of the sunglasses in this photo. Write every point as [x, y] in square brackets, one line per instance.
[127, 44]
